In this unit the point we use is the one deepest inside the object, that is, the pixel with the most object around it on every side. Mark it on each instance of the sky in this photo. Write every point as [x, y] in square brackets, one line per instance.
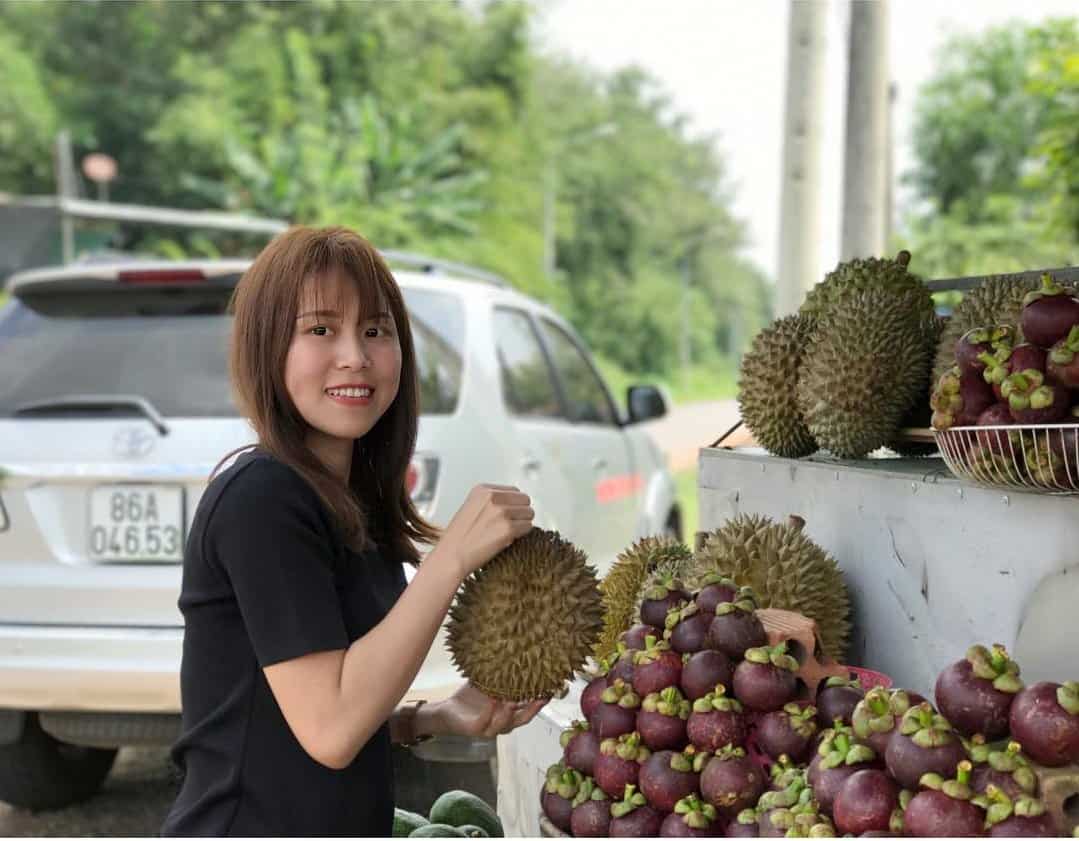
[723, 63]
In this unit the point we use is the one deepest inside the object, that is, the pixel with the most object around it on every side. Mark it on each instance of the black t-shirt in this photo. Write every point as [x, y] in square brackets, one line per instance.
[266, 579]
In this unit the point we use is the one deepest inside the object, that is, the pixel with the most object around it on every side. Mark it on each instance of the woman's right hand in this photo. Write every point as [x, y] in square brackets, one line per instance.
[492, 517]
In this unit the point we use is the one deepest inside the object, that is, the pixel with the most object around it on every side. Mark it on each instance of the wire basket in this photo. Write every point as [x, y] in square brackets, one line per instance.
[1042, 457]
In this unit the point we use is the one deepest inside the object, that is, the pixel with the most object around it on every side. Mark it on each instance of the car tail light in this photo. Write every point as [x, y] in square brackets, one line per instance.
[421, 479]
[162, 276]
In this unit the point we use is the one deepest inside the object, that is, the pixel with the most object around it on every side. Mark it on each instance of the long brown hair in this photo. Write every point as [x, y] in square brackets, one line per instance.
[375, 507]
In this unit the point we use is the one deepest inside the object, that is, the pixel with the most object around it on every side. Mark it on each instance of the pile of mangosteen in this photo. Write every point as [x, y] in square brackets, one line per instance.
[1011, 375]
[697, 727]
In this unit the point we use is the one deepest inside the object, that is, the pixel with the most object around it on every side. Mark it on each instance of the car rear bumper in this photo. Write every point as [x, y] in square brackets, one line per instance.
[56, 667]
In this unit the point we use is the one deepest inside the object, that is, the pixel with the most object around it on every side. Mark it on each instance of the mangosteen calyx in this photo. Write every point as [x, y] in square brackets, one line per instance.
[783, 772]
[1011, 761]
[772, 655]
[653, 648]
[1064, 351]
[627, 746]
[895, 822]
[696, 813]
[999, 807]
[926, 728]
[666, 585]
[682, 610]
[669, 702]
[803, 720]
[746, 817]
[632, 799]
[589, 791]
[798, 791]
[957, 788]
[837, 680]
[716, 577]
[690, 760]
[877, 711]
[838, 748]
[995, 370]
[717, 700]
[994, 664]
[576, 726]
[729, 752]
[621, 693]
[563, 781]
[1048, 289]
[1027, 390]
[1068, 696]
[745, 600]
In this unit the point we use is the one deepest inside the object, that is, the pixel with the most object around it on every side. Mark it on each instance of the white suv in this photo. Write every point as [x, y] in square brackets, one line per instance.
[114, 407]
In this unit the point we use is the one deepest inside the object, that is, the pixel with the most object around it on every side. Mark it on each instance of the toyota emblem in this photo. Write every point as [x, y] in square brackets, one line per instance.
[133, 442]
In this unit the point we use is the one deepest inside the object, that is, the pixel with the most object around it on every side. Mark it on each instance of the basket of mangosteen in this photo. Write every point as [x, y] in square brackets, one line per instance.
[1006, 401]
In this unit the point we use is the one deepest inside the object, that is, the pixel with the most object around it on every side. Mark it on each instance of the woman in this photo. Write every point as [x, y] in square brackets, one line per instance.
[301, 637]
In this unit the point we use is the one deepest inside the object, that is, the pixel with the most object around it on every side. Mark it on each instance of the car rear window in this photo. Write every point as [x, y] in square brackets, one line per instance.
[59, 345]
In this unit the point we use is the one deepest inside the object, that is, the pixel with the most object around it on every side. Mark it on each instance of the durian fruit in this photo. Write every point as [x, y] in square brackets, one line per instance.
[769, 374]
[861, 274]
[863, 370]
[527, 620]
[920, 413]
[633, 572]
[785, 569]
[996, 300]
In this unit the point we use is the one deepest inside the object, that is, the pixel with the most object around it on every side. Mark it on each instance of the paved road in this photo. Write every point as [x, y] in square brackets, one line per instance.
[142, 784]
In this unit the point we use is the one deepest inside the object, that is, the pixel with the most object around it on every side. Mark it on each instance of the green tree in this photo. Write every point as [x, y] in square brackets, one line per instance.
[28, 120]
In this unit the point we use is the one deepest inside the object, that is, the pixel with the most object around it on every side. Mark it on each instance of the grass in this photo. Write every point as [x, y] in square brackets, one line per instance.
[686, 486]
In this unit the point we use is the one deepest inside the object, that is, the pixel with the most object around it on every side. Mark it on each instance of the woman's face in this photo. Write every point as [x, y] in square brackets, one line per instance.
[341, 373]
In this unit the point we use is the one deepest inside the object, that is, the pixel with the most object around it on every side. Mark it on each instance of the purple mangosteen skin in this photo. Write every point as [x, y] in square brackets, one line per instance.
[634, 638]
[622, 669]
[664, 671]
[642, 822]
[865, 802]
[732, 785]
[1048, 733]
[768, 829]
[907, 762]
[654, 611]
[610, 721]
[675, 826]
[1027, 357]
[933, 814]
[836, 702]
[1046, 321]
[1019, 826]
[996, 440]
[590, 696]
[703, 670]
[613, 774]
[1049, 414]
[970, 703]
[712, 595]
[735, 632]
[776, 737]
[662, 785]
[581, 752]
[592, 819]
[827, 782]
[661, 732]
[742, 830]
[557, 809]
[691, 634]
[762, 686]
[985, 775]
[713, 730]
[977, 396]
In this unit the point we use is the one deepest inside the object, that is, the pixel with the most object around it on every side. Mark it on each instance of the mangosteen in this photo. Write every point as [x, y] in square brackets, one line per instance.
[662, 719]
[788, 731]
[691, 818]
[836, 698]
[666, 777]
[659, 599]
[945, 808]
[1020, 817]
[736, 626]
[655, 668]
[996, 370]
[590, 696]
[1026, 357]
[703, 670]
[875, 717]
[777, 809]
[632, 817]
[783, 772]
[634, 638]
[715, 589]
[617, 711]
[1048, 313]
[802, 820]
[924, 743]
[981, 340]
[1033, 400]
[731, 781]
[838, 757]
[998, 440]
[1046, 465]
[975, 693]
[716, 721]
[765, 680]
[744, 825]
[1006, 769]
[619, 763]
[591, 816]
[621, 667]
[1062, 363]
[865, 802]
[556, 797]
[1045, 721]
[687, 628]
[580, 745]
[958, 399]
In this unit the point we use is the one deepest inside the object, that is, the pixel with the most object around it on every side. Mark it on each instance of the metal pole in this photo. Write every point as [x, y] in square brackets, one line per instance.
[865, 166]
[799, 236]
[65, 188]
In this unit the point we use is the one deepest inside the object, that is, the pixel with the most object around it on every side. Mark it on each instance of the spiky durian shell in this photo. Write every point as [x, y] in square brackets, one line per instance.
[630, 575]
[786, 570]
[920, 413]
[862, 371]
[526, 621]
[996, 300]
[769, 374]
[866, 273]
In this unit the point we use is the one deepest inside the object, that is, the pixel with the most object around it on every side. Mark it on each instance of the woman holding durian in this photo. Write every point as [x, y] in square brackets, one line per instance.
[301, 637]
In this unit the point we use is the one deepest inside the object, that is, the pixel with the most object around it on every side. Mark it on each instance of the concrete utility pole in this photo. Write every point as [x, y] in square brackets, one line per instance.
[865, 168]
[799, 231]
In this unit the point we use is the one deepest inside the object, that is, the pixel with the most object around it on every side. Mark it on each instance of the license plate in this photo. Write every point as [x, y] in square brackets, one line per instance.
[136, 523]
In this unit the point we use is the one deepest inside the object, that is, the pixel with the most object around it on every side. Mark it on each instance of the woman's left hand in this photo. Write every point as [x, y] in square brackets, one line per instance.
[471, 712]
